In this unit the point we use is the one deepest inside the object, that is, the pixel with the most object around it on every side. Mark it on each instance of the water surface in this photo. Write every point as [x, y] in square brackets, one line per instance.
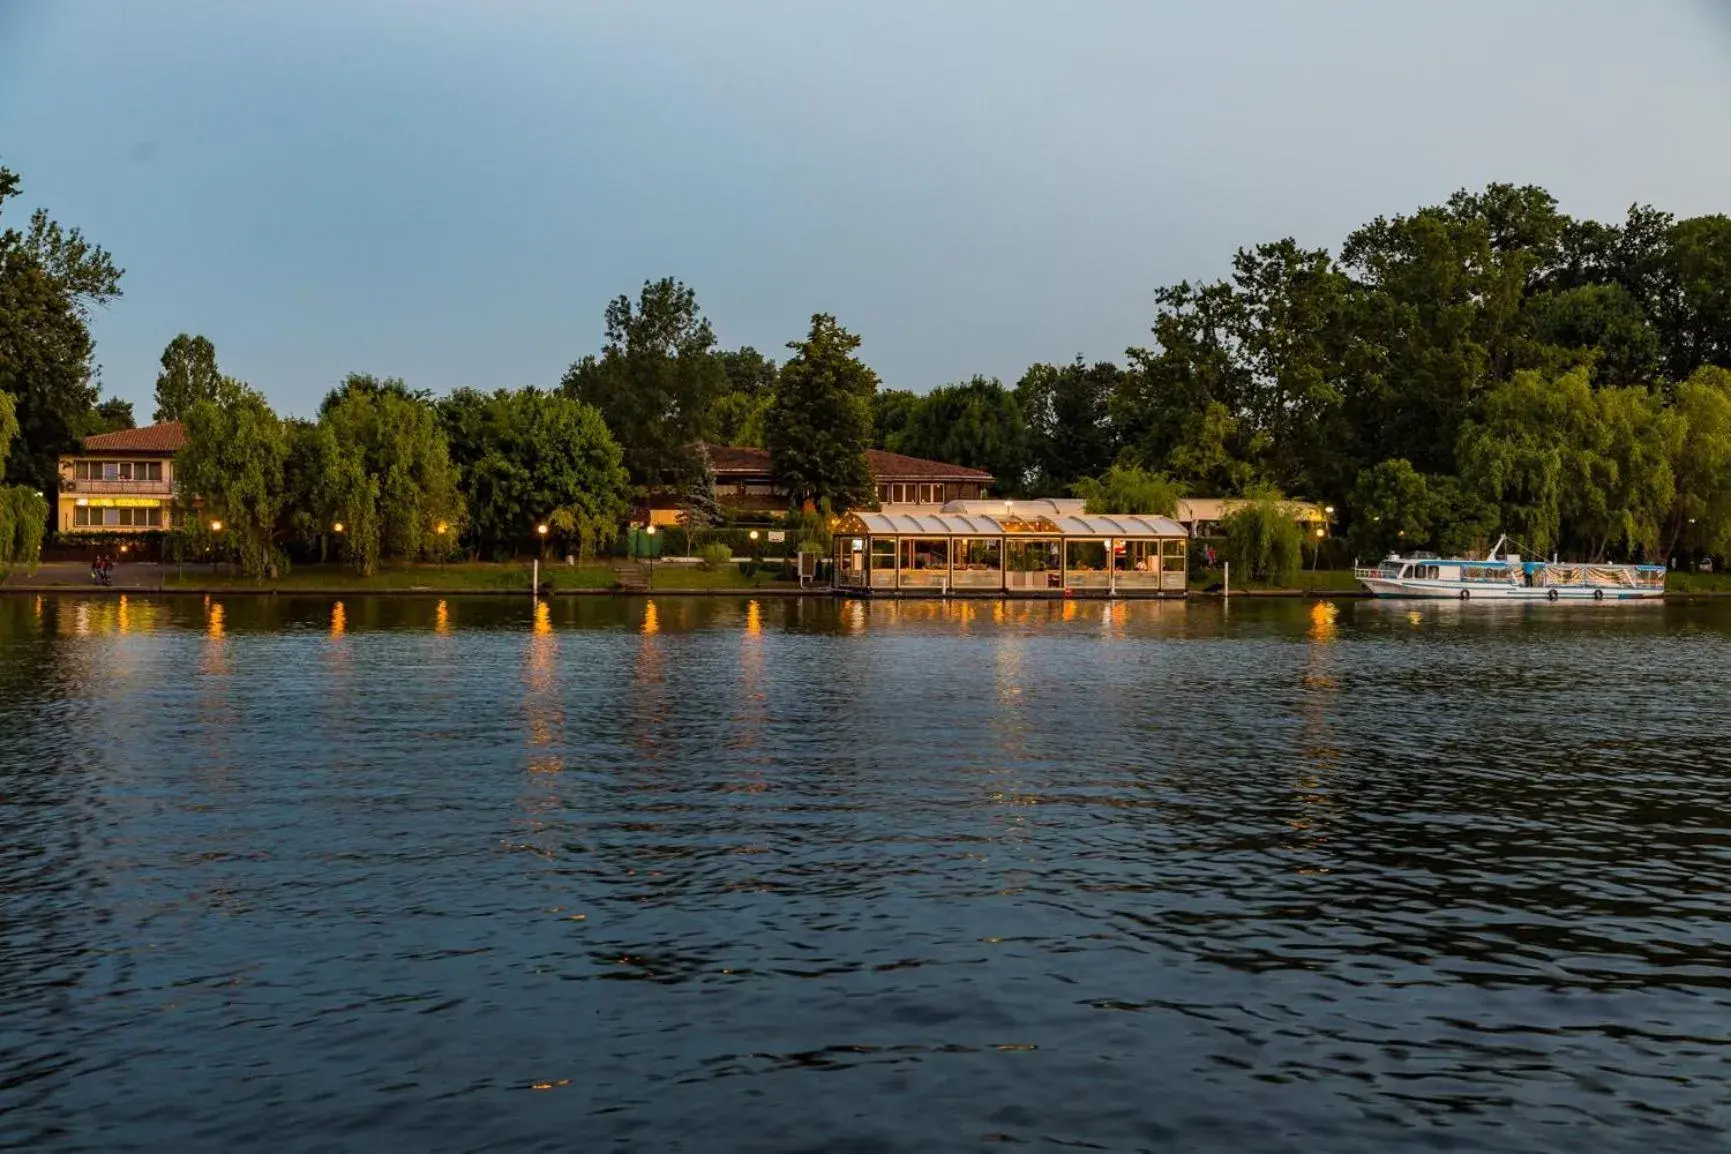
[781, 875]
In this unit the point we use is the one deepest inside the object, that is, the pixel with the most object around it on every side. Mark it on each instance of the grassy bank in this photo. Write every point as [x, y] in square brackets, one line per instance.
[1319, 581]
[470, 577]
[1702, 583]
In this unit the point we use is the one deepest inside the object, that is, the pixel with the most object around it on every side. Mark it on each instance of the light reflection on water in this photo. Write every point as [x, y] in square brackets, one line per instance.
[440, 875]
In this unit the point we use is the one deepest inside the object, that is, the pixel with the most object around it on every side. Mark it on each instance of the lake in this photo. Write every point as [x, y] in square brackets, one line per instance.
[797, 875]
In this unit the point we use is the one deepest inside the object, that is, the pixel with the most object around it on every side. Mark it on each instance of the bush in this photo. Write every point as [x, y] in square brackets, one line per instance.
[714, 555]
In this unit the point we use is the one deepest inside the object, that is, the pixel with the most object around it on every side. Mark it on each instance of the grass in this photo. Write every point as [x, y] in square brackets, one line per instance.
[471, 576]
[1684, 582]
[1309, 581]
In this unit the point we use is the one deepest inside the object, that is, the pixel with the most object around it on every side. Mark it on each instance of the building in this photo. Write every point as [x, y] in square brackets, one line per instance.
[745, 484]
[1015, 548]
[121, 482]
[1202, 515]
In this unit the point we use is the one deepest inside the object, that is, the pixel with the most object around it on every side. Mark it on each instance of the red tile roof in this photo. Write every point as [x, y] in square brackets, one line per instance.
[733, 461]
[168, 437]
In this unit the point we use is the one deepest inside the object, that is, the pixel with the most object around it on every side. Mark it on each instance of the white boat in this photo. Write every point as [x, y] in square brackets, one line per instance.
[1503, 576]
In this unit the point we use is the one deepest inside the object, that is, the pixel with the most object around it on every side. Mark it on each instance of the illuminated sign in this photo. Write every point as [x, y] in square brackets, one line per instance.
[119, 502]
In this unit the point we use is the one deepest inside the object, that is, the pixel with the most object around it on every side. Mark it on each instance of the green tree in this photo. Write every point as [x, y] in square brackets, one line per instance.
[656, 380]
[527, 455]
[1537, 451]
[1391, 510]
[1701, 514]
[1263, 537]
[50, 280]
[232, 471]
[892, 412]
[748, 371]
[189, 375]
[1128, 489]
[23, 510]
[1067, 410]
[977, 424]
[738, 418]
[111, 416]
[398, 444]
[820, 423]
[1643, 440]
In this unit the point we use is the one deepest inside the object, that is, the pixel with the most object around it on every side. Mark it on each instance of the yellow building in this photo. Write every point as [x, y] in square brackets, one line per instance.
[121, 483]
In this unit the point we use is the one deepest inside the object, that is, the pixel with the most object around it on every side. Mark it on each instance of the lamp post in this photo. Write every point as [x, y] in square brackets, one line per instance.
[650, 533]
[439, 531]
[215, 528]
[1327, 516]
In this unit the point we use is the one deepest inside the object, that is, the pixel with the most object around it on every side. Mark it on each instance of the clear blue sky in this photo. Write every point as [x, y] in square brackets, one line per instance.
[451, 191]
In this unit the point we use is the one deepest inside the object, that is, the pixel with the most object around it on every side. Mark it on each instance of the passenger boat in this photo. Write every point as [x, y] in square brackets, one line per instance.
[1503, 576]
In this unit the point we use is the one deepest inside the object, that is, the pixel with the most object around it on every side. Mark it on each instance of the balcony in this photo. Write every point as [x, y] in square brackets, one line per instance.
[164, 489]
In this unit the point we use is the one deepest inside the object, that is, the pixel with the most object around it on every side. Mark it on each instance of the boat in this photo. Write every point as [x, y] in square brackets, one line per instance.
[1505, 576]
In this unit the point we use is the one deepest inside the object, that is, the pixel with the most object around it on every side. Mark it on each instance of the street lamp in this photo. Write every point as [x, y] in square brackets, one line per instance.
[337, 527]
[650, 583]
[216, 527]
[440, 530]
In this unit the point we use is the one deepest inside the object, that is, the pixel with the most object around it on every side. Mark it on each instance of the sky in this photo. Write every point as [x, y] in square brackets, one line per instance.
[451, 192]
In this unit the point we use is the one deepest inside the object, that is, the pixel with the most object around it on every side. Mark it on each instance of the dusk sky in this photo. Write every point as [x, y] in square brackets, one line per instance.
[450, 191]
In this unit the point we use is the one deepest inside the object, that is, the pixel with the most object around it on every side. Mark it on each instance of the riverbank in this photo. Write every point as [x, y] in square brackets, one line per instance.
[667, 579]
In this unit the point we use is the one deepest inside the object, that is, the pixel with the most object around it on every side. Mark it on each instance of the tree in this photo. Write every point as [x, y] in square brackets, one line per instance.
[820, 423]
[1128, 489]
[700, 506]
[738, 418]
[977, 424]
[1701, 513]
[1263, 537]
[1537, 452]
[526, 455]
[656, 380]
[23, 510]
[50, 280]
[111, 416]
[189, 375]
[892, 412]
[1391, 509]
[398, 444]
[232, 470]
[747, 371]
[1067, 410]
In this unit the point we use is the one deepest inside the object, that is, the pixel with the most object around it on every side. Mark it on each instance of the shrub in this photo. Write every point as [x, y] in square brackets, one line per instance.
[714, 555]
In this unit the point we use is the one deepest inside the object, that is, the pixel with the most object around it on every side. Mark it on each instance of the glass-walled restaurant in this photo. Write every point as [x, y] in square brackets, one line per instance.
[1028, 552]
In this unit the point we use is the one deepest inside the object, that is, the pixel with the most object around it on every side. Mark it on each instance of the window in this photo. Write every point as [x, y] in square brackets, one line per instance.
[883, 494]
[925, 494]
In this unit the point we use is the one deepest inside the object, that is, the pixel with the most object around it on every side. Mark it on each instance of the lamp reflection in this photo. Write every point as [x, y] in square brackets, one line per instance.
[339, 619]
[441, 617]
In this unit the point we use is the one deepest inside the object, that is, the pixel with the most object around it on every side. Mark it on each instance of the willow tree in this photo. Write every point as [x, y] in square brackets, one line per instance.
[232, 472]
[23, 510]
[400, 483]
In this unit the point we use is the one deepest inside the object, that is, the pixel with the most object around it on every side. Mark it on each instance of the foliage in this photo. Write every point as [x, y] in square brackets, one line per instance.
[189, 375]
[395, 484]
[892, 411]
[714, 555]
[655, 381]
[699, 505]
[808, 530]
[1263, 537]
[820, 422]
[1067, 413]
[527, 454]
[50, 280]
[977, 424]
[1128, 489]
[111, 416]
[232, 469]
[23, 511]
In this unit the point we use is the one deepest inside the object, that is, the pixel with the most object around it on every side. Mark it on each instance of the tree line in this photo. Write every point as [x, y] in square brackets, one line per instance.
[1486, 365]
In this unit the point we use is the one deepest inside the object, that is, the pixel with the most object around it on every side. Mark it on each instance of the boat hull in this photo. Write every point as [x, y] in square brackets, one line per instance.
[1443, 590]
